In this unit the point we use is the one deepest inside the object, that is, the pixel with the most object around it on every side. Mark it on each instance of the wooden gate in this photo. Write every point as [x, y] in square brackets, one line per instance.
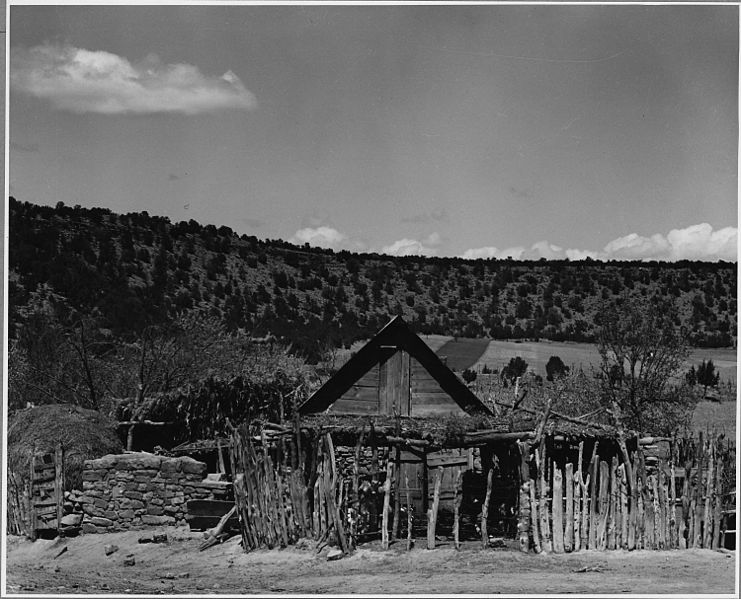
[47, 492]
[421, 475]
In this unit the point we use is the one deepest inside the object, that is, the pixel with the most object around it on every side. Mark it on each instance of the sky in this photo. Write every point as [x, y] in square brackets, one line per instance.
[474, 131]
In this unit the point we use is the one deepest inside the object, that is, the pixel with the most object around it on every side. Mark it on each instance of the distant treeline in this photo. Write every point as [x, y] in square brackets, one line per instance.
[135, 270]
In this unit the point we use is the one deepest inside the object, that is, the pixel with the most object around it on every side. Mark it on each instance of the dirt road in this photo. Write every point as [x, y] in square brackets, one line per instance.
[178, 567]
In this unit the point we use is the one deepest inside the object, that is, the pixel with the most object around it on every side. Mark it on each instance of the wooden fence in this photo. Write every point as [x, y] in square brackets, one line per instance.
[625, 503]
[629, 501]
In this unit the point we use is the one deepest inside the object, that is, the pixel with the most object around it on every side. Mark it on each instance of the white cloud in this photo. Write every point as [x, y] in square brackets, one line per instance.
[82, 81]
[700, 242]
[322, 236]
[696, 242]
[408, 247]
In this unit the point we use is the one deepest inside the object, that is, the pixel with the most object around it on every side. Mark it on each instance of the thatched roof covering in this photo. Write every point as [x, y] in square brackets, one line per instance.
[84, 435]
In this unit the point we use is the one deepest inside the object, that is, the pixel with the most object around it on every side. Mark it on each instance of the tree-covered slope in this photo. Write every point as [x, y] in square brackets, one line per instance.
[134, 270]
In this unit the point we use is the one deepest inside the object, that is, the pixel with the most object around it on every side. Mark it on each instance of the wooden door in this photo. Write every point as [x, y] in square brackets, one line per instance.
[394, 395]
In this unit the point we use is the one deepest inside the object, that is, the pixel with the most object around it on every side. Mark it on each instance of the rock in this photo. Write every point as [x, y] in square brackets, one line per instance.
[190, 466]
[497, 543]
[304, 543]
[147, 539]
[71, 520]
[110, 549]
[334, 554]
[98, 521]
[129, 561]
[159, 538]
[87, 527]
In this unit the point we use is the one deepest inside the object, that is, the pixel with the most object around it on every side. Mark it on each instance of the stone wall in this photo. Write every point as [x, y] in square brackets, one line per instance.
[345, 458]
[136, 490]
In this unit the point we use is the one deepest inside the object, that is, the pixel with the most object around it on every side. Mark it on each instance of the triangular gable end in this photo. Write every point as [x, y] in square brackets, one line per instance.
[395, 372]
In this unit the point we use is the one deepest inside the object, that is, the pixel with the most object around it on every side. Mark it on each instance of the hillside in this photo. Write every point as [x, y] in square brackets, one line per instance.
[135, 269]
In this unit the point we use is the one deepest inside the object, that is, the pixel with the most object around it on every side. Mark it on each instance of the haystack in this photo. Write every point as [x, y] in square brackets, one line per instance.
[84, 435]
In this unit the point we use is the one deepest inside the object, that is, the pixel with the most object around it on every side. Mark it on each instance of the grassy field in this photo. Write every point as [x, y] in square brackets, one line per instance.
[574, 355]
[716, 417]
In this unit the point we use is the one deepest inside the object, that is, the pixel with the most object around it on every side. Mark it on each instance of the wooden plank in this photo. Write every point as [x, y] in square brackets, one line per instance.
[386, 505]
[432, 512]
[594, 466]
[345, 406]
[709, 491]
[568, 541]
[612, 505]
[543, 513]
[405, 396]
[662, 507]
[534, 518]
[717, 504]
[31, 509]
[485, 511]
[457, 509]
[410, 523]
[623, 491]
[397, 495]
[604, 485]
[557, 510]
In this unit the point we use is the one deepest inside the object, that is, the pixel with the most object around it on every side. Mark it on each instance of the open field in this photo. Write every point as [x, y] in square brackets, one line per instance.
[537, 353]
[718, 417]
[178, 567]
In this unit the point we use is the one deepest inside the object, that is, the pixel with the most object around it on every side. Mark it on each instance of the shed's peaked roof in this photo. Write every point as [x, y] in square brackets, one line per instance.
[395, 334]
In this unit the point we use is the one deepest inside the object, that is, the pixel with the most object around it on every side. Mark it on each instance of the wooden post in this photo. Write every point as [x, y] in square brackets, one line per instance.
[410, 521]
[612, 509]
[576, 526]
[356, 469]
[534, 519]
[59, 482]
[397, 494]
[658, 484]
[578, 483]
[699, 486]
[568, 541]
[630, 473]
[425, 484]
[673, 536]
[523, 521]
[717, 504]
[222, 466]
[543, 492]
[624, 538]
[650, 515]
[432, 512]
[594, 465]
[386, 505]
[457, 509]
[557, 509]
[709, 491]
[604, 484]
[585, 511]
[485, 511]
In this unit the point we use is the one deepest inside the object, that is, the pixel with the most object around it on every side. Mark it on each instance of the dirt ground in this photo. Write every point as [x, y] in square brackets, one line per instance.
[178, 567]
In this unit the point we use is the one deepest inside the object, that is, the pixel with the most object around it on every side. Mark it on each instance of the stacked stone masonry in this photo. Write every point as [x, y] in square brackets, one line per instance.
[136, 490]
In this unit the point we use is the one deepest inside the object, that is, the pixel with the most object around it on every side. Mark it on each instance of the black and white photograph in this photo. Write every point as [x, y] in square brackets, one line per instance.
[375, 299]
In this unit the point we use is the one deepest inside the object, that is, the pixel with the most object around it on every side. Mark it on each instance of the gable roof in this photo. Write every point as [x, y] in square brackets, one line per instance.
[395, 335]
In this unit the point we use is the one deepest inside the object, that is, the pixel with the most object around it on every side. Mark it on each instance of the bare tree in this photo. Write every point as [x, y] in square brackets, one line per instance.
[641, 350]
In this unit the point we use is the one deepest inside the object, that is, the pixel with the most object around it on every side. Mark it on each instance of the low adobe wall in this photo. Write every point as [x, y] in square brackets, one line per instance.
[136, 490]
